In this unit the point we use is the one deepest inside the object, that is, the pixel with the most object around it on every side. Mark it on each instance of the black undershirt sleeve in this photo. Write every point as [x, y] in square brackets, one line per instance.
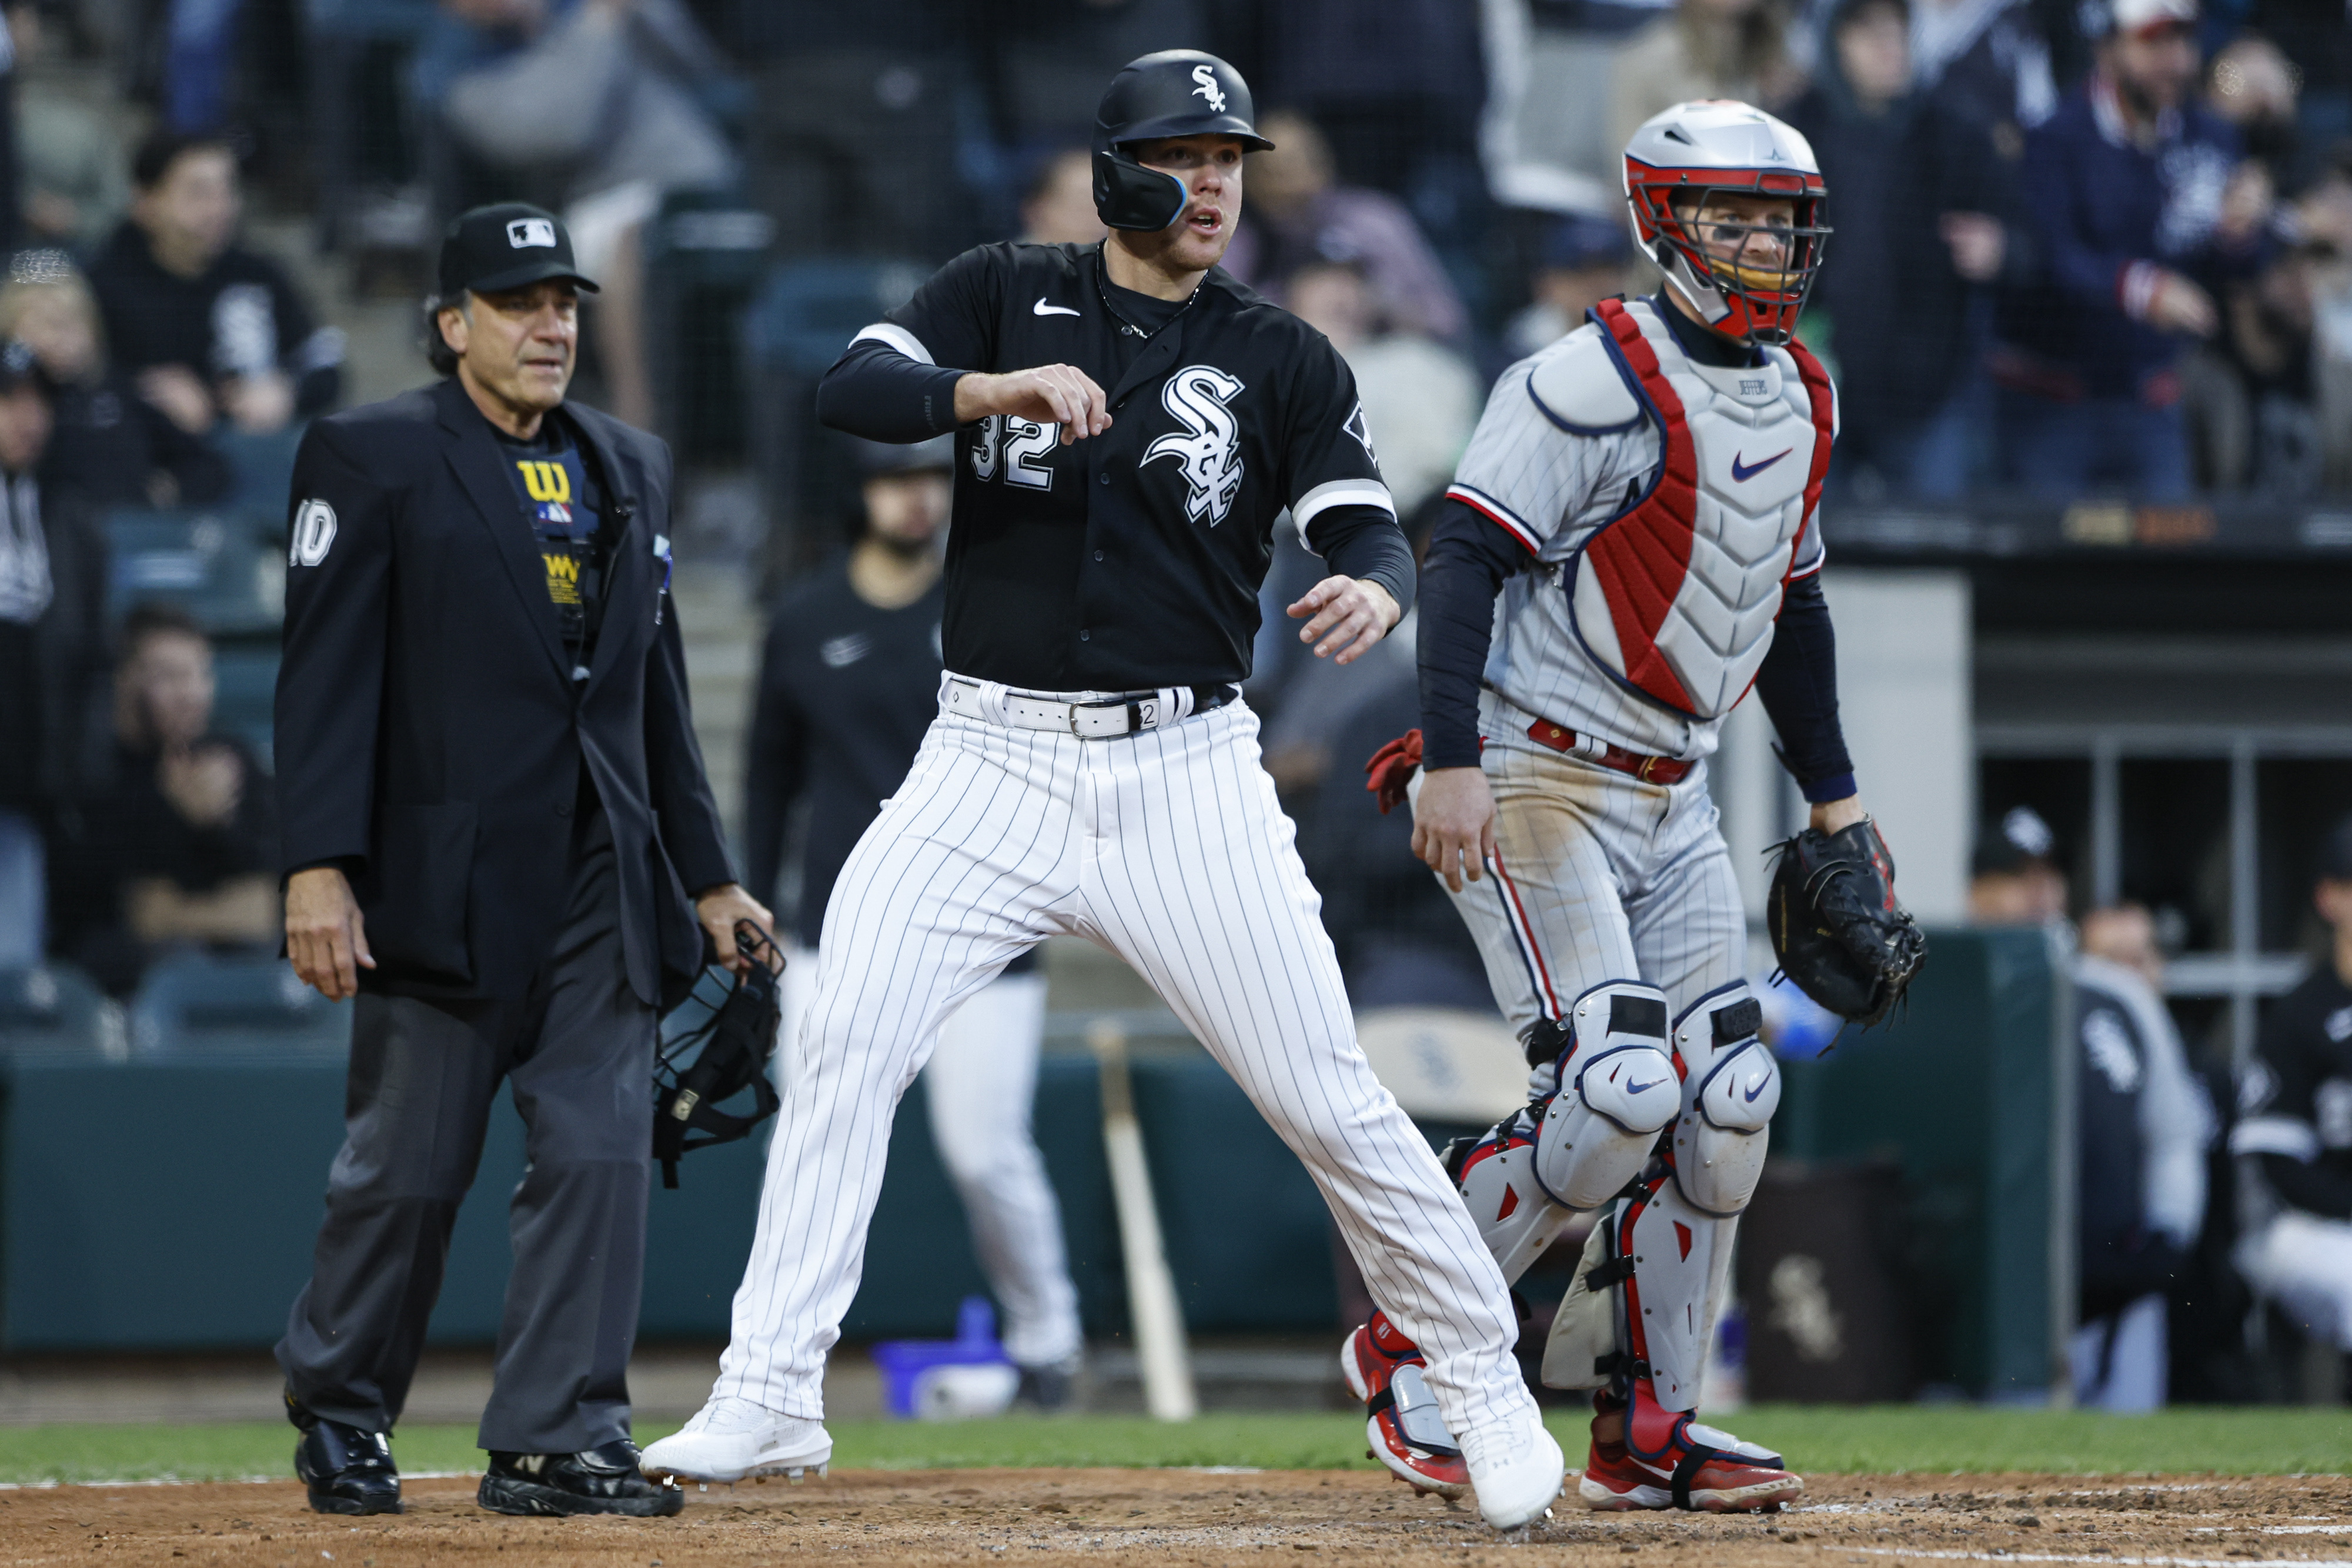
[876, 391]
[1464, 568]
[1798, 685]
[1365, 543]
[2308, 1186]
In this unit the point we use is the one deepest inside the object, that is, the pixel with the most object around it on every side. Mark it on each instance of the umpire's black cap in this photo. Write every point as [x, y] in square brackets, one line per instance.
[506, 247]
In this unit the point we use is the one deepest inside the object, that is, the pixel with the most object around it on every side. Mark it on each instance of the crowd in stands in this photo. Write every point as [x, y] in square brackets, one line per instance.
[2096, 248]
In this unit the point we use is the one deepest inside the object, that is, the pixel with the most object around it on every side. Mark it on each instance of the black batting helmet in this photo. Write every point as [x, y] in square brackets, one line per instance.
[1176, 93]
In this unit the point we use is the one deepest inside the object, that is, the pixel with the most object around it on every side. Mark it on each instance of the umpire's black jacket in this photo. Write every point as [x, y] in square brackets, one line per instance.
[430, 737]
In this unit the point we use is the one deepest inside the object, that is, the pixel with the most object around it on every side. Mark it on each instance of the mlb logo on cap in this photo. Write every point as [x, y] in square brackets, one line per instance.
[508, 246]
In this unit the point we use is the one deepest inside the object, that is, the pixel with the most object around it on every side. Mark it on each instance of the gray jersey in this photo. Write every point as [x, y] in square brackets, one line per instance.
[1571, 444]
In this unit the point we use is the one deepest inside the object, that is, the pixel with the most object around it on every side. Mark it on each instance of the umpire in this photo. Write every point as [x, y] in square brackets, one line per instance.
[495, 812]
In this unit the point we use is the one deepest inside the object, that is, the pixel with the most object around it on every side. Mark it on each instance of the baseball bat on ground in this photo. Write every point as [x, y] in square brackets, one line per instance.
[1153, 1308]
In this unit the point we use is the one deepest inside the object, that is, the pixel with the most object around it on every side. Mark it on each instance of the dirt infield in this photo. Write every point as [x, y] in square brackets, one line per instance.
[1151, 1517]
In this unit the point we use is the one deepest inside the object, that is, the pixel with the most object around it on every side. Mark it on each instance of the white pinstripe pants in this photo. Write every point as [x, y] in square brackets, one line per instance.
[1167, 848]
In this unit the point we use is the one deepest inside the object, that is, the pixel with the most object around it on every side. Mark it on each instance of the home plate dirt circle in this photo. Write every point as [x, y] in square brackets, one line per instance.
[1151, 1517]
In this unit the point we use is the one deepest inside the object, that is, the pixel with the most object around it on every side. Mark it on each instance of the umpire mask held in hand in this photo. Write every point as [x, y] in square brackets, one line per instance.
[1176, 93]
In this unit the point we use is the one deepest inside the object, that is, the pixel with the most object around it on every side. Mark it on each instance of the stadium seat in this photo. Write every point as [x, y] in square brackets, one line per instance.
[56, 1012]
[245, 695]
[704, 253]
[262, 467]
[222, 564]
[221, 1005]
[804, 316]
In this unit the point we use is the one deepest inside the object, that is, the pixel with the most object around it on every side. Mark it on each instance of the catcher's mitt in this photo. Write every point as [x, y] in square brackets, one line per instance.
[1835, 925]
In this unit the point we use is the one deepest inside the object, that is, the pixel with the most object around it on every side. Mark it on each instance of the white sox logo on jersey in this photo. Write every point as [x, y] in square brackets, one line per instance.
[1208, 450]
[1209, 88]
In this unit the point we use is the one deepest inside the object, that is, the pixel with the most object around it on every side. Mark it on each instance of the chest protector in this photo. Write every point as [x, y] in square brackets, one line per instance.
[1676, 596]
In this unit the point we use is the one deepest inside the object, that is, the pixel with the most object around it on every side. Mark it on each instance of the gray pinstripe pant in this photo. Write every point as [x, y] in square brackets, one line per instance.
[1598, 876]
[1167, 848]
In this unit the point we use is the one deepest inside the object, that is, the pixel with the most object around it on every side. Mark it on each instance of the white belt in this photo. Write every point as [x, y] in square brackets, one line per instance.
[1103, 719]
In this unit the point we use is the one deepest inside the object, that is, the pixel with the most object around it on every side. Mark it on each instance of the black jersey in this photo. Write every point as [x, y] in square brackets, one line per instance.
[2294, 1097]
[1131, 560]
[845, 692]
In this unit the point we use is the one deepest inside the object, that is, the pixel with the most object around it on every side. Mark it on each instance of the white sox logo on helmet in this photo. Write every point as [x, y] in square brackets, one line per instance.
[1208, 449]
[1207, 77]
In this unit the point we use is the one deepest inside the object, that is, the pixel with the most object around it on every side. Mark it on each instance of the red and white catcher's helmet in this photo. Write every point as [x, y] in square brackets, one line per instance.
[1719, 145]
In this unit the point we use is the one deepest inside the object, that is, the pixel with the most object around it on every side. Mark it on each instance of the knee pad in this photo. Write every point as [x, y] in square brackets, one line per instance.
[1516, 1217]
[1734, 1086]
[1618, 1090]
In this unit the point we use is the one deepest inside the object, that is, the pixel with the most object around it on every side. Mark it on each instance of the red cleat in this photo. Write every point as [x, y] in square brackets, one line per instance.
[1383, 1369]
[1703, 1470]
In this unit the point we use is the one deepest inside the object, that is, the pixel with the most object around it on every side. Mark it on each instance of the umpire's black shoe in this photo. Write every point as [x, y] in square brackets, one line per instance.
[347, 1468]
[602, 1481]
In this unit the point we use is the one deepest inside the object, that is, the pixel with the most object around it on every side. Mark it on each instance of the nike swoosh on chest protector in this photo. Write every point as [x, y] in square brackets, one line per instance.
[1743, 472]
[1042, 308]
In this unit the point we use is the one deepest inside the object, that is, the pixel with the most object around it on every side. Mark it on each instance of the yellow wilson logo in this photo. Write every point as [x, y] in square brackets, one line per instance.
[546, 481]
[562, 577]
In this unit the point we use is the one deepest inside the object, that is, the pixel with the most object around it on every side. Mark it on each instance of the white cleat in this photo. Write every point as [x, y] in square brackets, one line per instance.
[732, 1439]
[1516, 1471]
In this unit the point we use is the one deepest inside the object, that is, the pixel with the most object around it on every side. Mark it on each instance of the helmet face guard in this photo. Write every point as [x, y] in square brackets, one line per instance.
[1176, 93]
[1740, 299]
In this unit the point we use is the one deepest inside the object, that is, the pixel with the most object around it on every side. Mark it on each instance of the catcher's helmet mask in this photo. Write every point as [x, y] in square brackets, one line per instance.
[1176, 93]
[1675, 161]
[713, 1047]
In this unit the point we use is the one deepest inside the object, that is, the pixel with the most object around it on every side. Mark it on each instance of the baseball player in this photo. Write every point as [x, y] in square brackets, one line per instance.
[849, 683]
[1129, 422]
[1630, 523]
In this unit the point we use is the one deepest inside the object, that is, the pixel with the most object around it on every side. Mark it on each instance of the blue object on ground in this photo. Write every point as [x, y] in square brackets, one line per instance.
[904, 1361]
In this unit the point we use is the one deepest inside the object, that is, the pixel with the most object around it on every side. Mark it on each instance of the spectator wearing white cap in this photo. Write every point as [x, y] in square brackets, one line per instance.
[2142, 209]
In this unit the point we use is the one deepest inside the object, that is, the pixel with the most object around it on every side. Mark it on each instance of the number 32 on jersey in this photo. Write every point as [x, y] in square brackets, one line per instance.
[1017, 449]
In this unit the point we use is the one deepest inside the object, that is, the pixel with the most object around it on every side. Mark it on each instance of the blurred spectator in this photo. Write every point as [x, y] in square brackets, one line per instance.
[1398, 87]
[2268, 409]
[860, 122]
[181, 832]
[1987, 62]
[2293, 1135]
[2013, 877]
[599, 97]
[1045, 61]
[1420, 399]
[52, 660]
[1299, 214]
[1058, 208]
[72, 160]
[110, 445]
[2253, 87]
[1400, 942]
[1705, 48]
[209, 329]
[2142, 210]
[1915, 195]
[1580, 261]
[2143, 1125]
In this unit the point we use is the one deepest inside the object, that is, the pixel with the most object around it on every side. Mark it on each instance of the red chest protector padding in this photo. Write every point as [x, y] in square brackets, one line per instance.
[1640, 556]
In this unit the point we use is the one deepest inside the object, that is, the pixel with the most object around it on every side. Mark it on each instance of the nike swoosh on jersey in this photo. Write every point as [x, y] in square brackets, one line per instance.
[1042, 308]
[1743, 472]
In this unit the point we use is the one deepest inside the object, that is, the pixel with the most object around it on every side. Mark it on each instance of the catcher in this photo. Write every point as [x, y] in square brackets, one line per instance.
[1630, 545]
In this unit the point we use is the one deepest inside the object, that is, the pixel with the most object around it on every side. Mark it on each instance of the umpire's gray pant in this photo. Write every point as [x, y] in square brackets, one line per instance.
[579, 1049]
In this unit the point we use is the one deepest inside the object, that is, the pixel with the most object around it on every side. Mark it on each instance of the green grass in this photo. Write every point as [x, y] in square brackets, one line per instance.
[1877, 1439]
